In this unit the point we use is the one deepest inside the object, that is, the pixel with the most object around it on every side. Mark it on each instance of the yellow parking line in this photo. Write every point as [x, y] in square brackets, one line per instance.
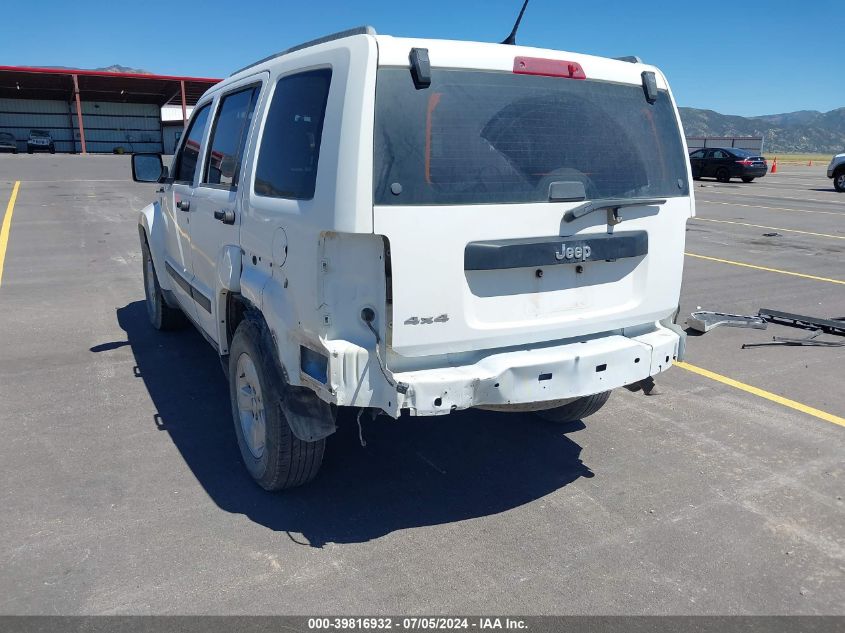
[757, 206]
[773, 228]
[758, 195]
[7, 226]
[770, 270]
[792, 404]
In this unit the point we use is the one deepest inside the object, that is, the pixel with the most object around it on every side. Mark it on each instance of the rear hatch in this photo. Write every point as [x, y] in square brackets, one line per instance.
[475, 180]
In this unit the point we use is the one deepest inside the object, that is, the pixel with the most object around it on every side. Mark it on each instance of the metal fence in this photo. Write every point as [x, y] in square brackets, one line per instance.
[750, 143]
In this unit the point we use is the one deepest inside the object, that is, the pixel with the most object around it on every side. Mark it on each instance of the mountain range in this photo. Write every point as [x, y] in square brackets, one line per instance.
[805, 131]
[114, 68]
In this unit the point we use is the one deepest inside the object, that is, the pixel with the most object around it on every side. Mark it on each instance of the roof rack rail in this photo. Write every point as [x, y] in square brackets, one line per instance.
[358, 30]
[630, 58]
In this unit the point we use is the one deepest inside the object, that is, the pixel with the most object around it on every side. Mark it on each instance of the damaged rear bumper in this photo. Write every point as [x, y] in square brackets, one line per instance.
[533, 374]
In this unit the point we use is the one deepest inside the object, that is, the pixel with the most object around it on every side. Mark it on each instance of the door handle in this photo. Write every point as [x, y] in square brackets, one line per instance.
[226, 216]
[184, 205]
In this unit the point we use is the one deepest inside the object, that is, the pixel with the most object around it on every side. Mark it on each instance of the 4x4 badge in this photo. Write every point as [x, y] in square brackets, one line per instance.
[426, 320]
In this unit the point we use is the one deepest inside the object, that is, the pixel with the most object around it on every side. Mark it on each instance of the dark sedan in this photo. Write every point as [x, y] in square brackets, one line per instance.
[723, 163]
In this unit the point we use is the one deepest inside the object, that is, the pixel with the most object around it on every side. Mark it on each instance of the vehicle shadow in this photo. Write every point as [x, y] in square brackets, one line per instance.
[412, 472]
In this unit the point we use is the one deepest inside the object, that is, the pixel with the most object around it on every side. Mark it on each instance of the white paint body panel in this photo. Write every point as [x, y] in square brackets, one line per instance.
[499, 308]
[311, 266]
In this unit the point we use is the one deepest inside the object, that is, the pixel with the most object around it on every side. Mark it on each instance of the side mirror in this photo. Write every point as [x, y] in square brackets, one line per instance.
[147, 168]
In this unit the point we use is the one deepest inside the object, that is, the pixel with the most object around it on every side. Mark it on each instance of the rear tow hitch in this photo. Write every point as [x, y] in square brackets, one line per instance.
[646, 385]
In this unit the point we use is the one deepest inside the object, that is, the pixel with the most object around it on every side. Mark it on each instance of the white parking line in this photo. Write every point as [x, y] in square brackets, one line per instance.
[757, 206]
[771, 228]
[751, 195]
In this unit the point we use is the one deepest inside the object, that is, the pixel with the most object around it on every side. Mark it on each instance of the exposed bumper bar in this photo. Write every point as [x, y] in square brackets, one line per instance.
[518, 377]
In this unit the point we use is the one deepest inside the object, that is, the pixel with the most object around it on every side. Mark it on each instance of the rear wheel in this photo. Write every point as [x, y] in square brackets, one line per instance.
[748, 179]
[272, 454]
[575, 410]
[839, 181]
[162, 316]
[723, 175]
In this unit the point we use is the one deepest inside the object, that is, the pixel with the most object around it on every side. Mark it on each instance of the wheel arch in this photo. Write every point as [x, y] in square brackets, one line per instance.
[151, 232]
[310, 417]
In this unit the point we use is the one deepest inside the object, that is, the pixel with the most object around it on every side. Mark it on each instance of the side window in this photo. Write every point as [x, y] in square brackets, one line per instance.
[698, 154]
[719, 154]
[186, 161]
[290, 146]
[228, 138]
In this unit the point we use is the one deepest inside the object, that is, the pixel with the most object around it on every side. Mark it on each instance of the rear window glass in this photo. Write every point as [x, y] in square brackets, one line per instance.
[290, 146]
[487, 137]
[744, 153]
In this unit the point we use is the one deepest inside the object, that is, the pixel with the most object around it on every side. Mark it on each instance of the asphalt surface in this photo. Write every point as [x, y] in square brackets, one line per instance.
[122, 491]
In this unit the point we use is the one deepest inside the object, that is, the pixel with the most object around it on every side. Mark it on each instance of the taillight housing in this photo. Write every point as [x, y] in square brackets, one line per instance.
[745, 162]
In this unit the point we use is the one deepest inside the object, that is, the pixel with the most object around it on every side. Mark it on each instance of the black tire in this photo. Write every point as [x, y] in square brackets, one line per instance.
[575, 410]
[839, 181]
[748, 179]
[284, 460]
[14, 151]
[723, 175]
[52, 150]
[28, 150]
[162, 316]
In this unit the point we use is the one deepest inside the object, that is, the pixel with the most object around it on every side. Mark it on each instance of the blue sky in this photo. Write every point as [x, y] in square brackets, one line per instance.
[736, 57]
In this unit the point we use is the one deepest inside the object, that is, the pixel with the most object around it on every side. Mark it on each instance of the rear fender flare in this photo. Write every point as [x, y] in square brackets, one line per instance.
[310, 418]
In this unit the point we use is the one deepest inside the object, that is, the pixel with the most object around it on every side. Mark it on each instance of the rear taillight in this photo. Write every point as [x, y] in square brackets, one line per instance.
[548, 67]
[745, 163]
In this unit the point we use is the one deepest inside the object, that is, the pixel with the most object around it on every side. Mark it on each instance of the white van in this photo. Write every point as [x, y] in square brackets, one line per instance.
[421, 226]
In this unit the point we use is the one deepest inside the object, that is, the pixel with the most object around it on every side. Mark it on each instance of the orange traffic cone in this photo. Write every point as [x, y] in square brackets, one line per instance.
[775, 166]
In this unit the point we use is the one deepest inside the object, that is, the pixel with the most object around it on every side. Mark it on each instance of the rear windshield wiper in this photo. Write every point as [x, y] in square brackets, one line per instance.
[608, 204]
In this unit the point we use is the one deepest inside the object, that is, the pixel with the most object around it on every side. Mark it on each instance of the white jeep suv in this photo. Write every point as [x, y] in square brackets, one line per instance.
[421, 226]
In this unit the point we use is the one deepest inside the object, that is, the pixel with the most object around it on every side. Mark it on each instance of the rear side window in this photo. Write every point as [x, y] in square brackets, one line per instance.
[698, 154]
[744, 153]
[490, 137]
[228, 138]
[290, 146]
[186, 162]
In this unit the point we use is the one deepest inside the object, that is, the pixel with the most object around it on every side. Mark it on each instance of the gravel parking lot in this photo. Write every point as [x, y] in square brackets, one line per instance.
[122, 490]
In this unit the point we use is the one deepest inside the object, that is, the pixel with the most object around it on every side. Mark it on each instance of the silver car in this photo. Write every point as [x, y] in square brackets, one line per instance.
[836, 170]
